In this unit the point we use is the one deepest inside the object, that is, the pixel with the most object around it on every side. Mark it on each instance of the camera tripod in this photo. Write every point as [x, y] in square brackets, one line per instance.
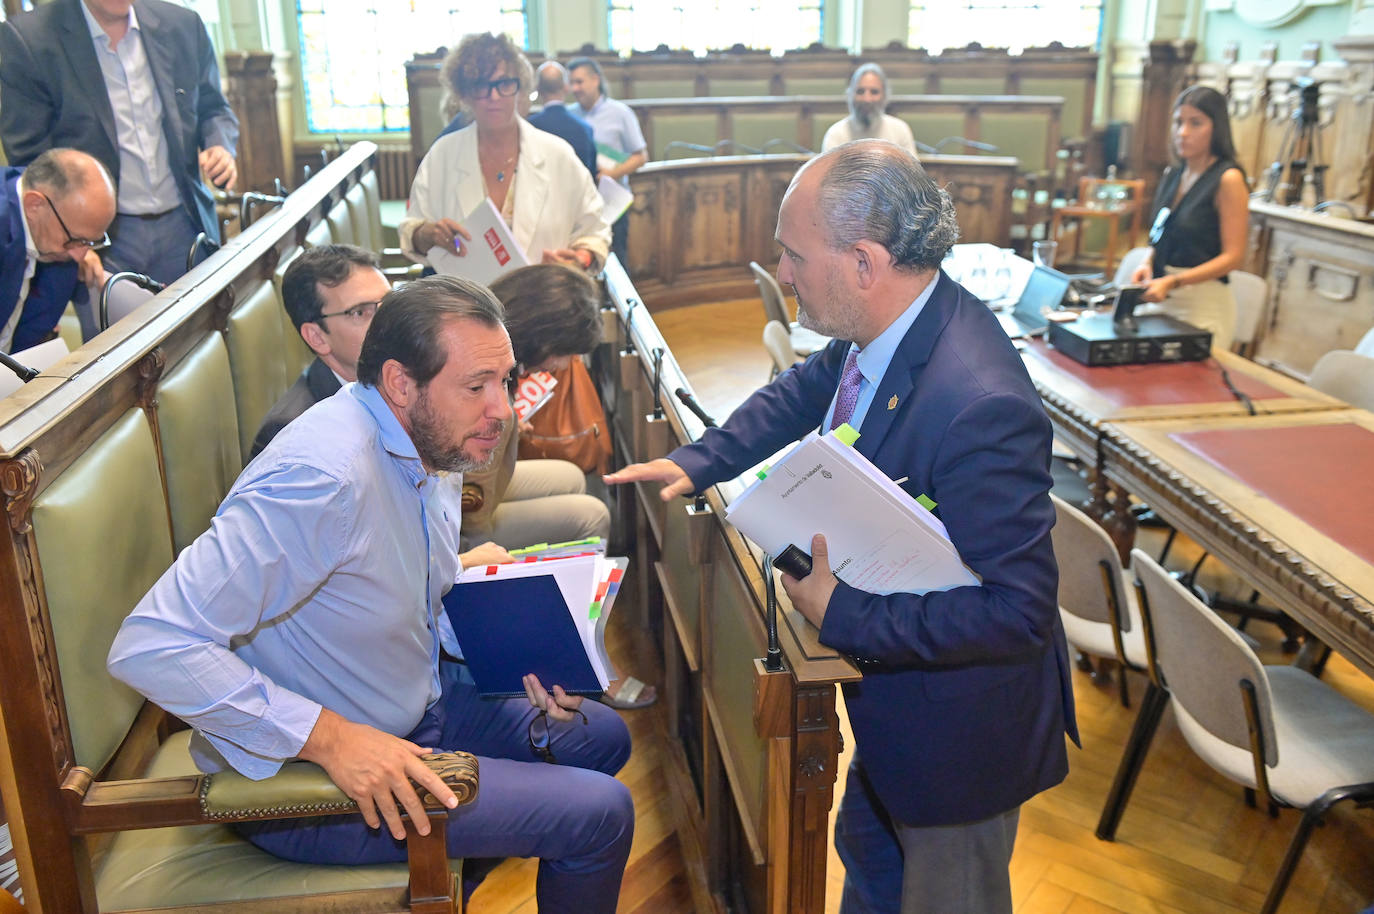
[1300, 148]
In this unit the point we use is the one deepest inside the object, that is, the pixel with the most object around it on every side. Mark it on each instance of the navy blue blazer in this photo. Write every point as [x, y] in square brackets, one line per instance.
[52, 93]
[965, 696]
[52, 286]
[555, 119]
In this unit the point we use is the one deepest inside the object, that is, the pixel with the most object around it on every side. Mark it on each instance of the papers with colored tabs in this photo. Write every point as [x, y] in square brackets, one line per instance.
[543, 616]
[879, 538]
[491, 252]
[531, 392]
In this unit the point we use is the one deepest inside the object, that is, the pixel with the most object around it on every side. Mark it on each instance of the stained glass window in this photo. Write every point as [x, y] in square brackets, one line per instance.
[1012, 24]
[353, 53]
[700, 25]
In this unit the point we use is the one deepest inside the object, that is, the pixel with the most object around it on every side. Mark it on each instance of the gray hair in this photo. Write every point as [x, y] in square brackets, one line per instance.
[853, 87]
[877, 191]
[553, 82]
[61, 170]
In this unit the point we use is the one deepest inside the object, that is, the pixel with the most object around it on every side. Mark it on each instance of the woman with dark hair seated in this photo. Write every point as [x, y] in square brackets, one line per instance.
[553, 318]
[532, 178]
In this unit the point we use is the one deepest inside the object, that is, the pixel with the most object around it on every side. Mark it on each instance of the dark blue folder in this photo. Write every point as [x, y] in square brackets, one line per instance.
[514, 626]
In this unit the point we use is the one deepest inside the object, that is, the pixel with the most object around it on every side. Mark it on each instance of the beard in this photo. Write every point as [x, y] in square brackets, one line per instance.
[433, 440]
[866, 114]
[842, 317]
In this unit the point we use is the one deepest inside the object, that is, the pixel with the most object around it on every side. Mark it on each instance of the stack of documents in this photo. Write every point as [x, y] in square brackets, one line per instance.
[531, 392]
[880, 539]
[491, 252]
[545, 614]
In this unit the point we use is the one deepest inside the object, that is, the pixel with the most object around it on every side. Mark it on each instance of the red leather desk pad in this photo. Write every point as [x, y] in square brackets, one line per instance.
[1163, 384]
[1321, 474]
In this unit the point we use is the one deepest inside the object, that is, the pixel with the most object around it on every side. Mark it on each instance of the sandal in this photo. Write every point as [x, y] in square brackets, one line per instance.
[631, 695]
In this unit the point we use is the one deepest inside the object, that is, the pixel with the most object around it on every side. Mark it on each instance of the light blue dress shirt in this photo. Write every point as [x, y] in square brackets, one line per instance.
[317, 584]
[877, 355]
[613, 125]
[146, 183]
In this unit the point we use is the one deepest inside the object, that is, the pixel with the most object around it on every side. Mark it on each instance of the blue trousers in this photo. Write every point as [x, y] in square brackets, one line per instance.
[574, 816]
[154, 247]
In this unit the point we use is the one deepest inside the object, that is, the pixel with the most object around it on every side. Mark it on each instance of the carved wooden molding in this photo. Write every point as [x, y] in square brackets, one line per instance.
[150, 369]
[224, 303]
[19, 481]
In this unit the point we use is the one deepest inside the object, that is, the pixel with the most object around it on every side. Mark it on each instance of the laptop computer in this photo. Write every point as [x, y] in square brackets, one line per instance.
[1044, 291]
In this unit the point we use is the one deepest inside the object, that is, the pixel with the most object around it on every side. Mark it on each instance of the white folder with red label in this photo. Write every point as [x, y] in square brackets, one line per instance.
[491, 252]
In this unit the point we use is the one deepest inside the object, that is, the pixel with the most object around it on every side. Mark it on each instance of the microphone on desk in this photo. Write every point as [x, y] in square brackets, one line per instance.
[658, 382]
[138, 279]
[26, 374]
[691, 403]
[772, 661]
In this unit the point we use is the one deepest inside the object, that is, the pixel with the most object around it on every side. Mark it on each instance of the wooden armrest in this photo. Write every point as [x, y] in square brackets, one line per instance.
[298, 789]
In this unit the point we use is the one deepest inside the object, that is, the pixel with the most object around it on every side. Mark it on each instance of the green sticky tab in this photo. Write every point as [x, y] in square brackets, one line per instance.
[529, 549]
[595, 611]
[763, 471]
[611, 152]
[925, 501]
[847, 434]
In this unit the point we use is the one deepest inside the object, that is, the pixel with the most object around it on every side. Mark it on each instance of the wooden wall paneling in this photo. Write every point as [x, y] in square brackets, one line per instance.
[251, 89]
[1165, 74]
[1352, 149]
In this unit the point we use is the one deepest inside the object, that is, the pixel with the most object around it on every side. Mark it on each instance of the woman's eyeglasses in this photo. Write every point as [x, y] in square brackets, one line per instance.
[505, 87]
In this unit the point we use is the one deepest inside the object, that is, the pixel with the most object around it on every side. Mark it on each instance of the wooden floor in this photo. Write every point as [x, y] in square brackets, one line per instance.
[1187, 842]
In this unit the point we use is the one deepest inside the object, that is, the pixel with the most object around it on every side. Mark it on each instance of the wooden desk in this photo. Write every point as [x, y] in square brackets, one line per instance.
[1284, 499]
[1080, 400]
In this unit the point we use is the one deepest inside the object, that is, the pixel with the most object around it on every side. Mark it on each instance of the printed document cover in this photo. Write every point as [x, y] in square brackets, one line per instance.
[491, 252]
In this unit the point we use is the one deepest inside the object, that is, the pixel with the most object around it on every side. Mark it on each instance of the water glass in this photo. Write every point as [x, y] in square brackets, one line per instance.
[1043, 252]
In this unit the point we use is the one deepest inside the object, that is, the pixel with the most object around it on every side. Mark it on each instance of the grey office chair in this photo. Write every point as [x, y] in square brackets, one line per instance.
[1347, 375]
[804, 341]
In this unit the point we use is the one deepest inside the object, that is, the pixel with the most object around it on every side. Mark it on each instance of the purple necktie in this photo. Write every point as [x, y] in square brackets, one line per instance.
[848, 396]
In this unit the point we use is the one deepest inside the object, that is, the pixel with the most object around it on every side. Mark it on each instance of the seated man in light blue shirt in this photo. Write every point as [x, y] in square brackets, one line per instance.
[308, 623]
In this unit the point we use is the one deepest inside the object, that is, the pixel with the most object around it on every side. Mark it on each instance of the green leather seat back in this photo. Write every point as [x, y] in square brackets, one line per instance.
[1075, 93]
[426, 120]
[973, 85]
[356, 200]
[757, 128]
[298, 355]
[372, 190]
[257, 360]
[320, 233]
[736, 87]
[103, 540]
[340, 221]
[806, 85]
[201, 864]
[1020, 135]
[665, 88]
[199, 433]
[688, 128]
[930, 128]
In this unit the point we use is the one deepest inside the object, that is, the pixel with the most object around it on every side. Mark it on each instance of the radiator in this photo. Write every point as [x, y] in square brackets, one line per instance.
[395, 170]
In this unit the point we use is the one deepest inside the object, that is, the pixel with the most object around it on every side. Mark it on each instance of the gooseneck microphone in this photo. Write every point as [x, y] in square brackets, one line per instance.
[691, 403]
[26, 374]
[138, 279]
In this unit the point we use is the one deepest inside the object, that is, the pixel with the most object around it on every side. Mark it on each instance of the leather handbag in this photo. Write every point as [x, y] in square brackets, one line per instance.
[572, 425]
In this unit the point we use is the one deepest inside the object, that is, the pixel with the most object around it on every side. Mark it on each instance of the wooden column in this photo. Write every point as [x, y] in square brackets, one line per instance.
[252, 93]
[1351, 177]
[1163, 78]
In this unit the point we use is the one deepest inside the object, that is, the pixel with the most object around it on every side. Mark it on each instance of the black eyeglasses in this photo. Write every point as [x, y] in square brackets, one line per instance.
[362, 312]
[505, 87]
[540, 739]
[73, 241]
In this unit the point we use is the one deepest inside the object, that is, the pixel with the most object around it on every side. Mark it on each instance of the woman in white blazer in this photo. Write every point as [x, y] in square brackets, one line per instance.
[534, 179]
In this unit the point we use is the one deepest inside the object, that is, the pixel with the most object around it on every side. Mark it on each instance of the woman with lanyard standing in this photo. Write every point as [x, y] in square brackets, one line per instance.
[1201, 212]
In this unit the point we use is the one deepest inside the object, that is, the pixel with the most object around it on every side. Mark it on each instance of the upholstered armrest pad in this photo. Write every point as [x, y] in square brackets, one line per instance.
[303, 788]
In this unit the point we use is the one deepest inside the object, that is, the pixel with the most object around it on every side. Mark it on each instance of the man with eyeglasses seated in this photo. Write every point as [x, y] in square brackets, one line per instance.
[53, 217]
[307, 623]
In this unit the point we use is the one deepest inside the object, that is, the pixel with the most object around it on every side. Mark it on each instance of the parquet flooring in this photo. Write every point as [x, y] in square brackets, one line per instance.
[1187, 843]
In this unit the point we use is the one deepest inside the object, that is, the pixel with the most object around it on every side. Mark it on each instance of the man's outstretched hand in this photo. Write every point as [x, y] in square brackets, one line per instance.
[674, 478]
[375, 770]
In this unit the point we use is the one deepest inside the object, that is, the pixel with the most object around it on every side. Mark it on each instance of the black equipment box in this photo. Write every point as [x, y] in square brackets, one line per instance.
[1095, 339]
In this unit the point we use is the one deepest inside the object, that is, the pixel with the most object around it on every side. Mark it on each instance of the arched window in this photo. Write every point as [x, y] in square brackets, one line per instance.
[1013, 24]
[353, 53]
[701, 25]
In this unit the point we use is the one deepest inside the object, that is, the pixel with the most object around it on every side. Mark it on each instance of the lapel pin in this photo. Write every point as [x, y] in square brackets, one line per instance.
[892, 404]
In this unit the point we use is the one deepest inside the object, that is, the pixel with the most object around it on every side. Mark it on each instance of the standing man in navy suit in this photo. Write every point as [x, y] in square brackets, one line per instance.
[53, 217]
[553, 117]
[135, 85]
[965, 698]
